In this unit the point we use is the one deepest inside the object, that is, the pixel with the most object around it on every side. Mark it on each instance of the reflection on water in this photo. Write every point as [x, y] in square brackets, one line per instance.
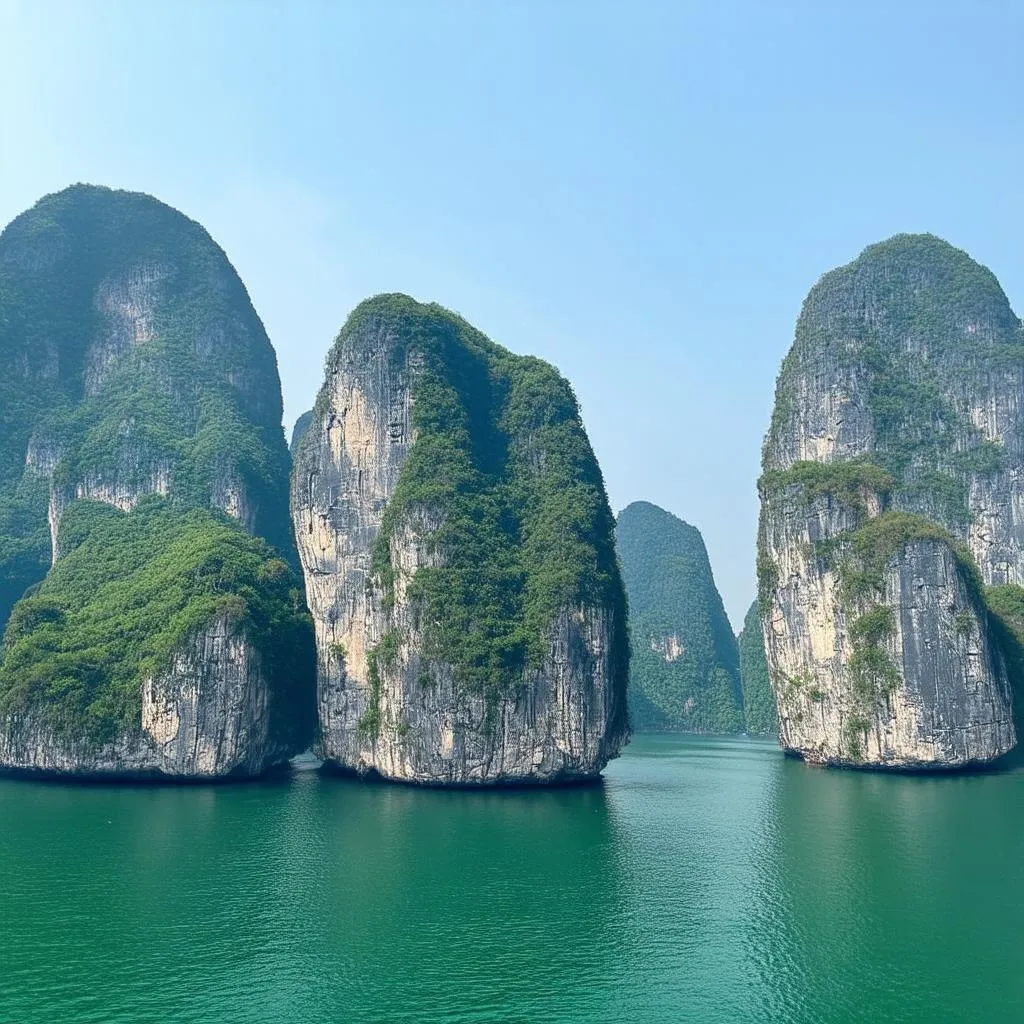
[707, 880]
[319, 899]
[684, 809]
[456, 906]
[890, 898]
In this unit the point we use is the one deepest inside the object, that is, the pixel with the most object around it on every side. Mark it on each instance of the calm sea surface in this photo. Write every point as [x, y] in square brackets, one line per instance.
[706, 881]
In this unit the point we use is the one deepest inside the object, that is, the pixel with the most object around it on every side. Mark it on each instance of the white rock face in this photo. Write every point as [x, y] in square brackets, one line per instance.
[413, 722]
[996, 530]
[953, 704]
[207, 717]
[127, 307]
[669, 647]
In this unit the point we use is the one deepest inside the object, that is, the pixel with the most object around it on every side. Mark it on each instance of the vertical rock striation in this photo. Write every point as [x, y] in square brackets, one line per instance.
[890, 501]
[457, 547]
[684, 673]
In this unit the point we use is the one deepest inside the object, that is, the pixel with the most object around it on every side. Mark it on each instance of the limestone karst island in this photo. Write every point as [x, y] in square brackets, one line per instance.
[890, 555]
[447, 601]
[459, 557]
[511, 513]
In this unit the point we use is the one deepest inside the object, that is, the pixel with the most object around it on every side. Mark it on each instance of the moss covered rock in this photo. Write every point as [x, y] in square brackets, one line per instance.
[132, 365]
[459, 558]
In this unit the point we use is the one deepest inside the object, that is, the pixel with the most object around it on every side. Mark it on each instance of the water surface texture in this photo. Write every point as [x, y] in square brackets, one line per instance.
[708, 880]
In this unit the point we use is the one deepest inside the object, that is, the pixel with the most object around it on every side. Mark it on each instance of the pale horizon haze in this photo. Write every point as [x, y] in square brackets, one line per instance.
[641, 193]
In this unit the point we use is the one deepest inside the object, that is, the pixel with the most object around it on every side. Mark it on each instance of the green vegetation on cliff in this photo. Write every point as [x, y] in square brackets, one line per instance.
[502, 464]
[850, 482]
[133, 363]
[300, 428]
[130, 360]
[759, 712]
[685, 670]
[129, 592]
[860, 555]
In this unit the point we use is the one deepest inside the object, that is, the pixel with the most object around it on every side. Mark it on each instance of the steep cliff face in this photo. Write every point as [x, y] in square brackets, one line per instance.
[458, 553]
[759, 712]
[132, 368]
[207, 715]
[684, 673]
[131, 363]
[890, 499]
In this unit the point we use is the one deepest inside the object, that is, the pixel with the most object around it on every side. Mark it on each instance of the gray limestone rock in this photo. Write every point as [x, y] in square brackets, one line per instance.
[207, 717]
[390, 702]
[891, 496]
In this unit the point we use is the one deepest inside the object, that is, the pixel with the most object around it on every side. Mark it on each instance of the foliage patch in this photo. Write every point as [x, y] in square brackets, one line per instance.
[131, 590]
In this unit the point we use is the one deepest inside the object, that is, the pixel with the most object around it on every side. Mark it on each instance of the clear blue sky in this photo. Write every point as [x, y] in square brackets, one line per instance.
[641, 193]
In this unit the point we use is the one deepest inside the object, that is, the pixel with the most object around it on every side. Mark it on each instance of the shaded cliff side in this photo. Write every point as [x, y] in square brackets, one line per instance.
[131, 364]
[459, 559]
[684, 672]
[760, 715]
[891, 496]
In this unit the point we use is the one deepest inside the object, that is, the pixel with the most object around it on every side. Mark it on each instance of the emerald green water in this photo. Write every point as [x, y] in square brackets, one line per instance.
[707, 881]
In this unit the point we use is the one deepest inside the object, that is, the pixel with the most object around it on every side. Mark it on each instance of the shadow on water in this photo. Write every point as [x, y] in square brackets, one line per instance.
[464, 905]
[307, 899]
[279, 773]
[889, 897]
[1010, 762]
[372, 777]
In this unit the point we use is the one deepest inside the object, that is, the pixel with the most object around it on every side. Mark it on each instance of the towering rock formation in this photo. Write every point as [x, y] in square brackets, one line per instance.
[459, 559]
[759, 713]
[134, 372]
[891, 496]
[684, 674]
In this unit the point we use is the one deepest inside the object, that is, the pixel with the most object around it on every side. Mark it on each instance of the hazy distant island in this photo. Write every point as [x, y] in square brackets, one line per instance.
[300, 428]
[685, 668]
[891, 544]
[760, 715]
